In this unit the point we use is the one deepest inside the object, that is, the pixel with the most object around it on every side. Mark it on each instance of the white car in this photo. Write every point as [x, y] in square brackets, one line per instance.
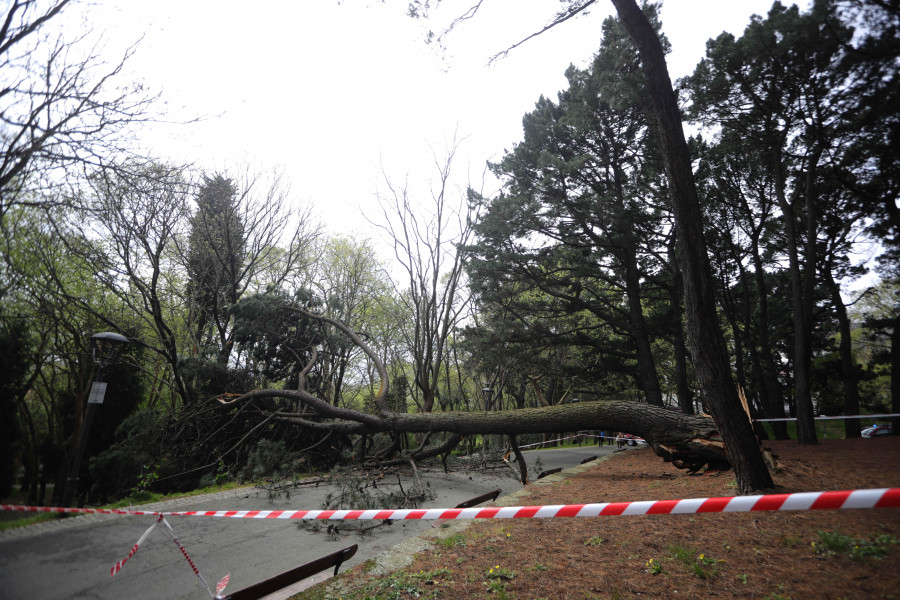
[877, 430]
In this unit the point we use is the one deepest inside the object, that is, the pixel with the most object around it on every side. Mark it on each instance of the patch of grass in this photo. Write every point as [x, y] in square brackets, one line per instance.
[594, 541]
[403, 584]
[148, 497]
[32, 520]
[791, 541]
[835, 543]
[455, 540]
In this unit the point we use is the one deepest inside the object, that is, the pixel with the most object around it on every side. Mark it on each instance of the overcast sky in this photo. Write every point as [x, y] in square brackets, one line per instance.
[332, 92]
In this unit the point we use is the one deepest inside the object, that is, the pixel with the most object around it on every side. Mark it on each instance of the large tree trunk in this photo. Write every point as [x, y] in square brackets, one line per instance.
[848, 365]
[647, 374]
[774, 398]
[689, 441]
[704, 336]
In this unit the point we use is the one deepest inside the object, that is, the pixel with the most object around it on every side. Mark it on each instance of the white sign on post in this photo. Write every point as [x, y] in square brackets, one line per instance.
[98, 390]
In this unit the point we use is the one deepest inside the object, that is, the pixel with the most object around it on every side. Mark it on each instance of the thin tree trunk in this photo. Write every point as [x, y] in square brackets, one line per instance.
[683, 390]
[775, 400]
[848, 365]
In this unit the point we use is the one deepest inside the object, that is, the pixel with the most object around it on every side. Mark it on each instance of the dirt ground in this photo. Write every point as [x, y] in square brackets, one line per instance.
[776, 556]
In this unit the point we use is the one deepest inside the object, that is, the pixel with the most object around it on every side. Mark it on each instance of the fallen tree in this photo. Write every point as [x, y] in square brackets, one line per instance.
[688, 441]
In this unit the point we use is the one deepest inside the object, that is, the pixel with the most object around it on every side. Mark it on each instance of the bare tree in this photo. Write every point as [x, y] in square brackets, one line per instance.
[427, 239]
[62, 112]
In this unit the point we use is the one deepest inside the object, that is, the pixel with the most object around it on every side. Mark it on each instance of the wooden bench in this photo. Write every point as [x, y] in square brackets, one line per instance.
[278, 582]
[479, 499]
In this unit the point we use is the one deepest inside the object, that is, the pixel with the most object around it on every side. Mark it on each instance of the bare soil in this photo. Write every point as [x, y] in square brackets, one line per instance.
[791, 555]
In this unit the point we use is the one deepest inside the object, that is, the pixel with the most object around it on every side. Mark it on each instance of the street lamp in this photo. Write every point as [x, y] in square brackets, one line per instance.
[105, 349]
[486, 395]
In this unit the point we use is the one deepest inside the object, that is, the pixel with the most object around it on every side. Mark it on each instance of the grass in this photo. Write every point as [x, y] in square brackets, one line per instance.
[150, 497]
[30, 520]
[835, 543]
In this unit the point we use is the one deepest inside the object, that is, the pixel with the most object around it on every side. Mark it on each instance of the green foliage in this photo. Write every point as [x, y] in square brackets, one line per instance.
[131, 463]
[561, 289]
[277, 338]
[269, 459]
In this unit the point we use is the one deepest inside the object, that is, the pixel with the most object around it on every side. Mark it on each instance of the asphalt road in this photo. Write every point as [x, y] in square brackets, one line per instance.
[71, 558]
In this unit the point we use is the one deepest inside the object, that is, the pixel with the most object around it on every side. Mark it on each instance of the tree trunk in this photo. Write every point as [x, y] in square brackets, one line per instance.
[704, 336]
[806, 425]
[806, 432]
[774, 397]
[848, 365]
[689, 441]
[683, 390]
[895, 374]
[648, 378]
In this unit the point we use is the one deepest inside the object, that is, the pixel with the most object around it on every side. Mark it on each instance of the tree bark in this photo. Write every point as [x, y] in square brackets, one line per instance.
[690, 441]
[676, 292]
[848, 365]
[704, 336]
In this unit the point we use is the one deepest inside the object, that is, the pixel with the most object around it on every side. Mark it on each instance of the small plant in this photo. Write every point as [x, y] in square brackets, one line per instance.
[705, 567]
[791, 541]
[594, 541]
[701, 565]
[654, 567]
[498, 579]
[540, 567]
[222, 475]
[742, 578]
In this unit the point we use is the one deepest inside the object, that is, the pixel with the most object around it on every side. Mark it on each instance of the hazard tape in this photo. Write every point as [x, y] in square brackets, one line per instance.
[118, 566]
[220, 585]
[849, 499]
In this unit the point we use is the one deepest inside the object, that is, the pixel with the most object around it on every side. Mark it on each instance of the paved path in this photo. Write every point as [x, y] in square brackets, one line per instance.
[71, 558]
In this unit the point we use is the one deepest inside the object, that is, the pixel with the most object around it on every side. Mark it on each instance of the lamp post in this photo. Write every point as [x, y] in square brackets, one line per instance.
[105, 349]
[486, 394]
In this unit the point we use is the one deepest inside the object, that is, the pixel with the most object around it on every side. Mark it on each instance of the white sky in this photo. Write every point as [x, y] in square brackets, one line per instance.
[330, 91]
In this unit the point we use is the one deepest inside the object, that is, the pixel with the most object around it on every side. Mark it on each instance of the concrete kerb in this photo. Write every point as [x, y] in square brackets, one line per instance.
[403, 554]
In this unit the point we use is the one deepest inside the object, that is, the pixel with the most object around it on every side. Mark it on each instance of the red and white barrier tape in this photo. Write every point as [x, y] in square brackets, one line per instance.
[118, 566]
[220, 586]
[874, 498]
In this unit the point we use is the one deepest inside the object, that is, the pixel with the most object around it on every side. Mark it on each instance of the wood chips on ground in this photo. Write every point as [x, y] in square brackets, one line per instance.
[745, 555]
